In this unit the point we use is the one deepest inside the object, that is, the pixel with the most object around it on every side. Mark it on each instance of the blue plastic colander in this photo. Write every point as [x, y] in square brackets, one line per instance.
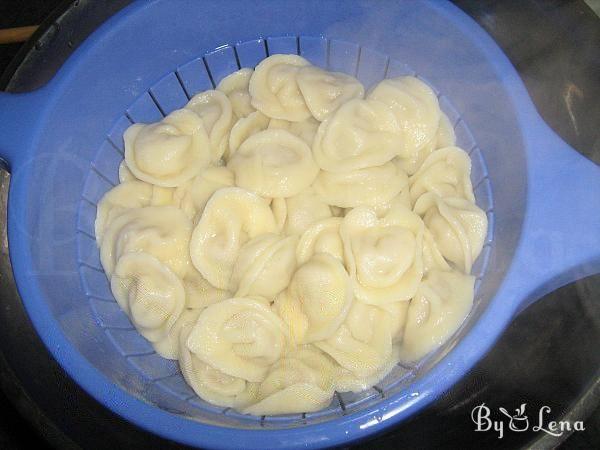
[63, 144]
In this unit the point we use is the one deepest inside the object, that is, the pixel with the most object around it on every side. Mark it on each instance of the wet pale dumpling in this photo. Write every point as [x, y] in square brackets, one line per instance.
[285, 237]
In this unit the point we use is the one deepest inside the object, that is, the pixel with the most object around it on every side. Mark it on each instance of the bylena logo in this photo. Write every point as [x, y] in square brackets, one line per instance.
[519, 421]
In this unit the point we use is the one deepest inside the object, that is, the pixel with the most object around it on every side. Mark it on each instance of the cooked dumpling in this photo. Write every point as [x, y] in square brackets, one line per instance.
[324, 92]
[347, 381]
[447, 173]
[301, 211]
[416, 108]
[193, 196]
[235, 87]
[437, 310]
[383, 256]
[306, 130]
[264, 266]
[162, 231]
[274, 88]
[371, 186]
[317, 299]
[124, 173]
[215, 110]
[241, 337]
[274, 163]
[301, 382]
[150, 294]
[321, 237]
[458, 227]
[210, 383]
[244, 128]
[361, 133]
[169, 152]
[231, 217]
[199, 293]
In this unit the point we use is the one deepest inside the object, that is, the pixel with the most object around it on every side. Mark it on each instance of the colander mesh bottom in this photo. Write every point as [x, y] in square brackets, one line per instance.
[172, 92]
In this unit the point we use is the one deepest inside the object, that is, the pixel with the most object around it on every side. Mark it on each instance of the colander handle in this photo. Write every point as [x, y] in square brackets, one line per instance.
[19, 114]
[560, 241]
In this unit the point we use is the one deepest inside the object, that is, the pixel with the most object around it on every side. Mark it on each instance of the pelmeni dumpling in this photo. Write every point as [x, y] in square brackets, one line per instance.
[361, 133]
[432, 257]
[274, 163]
[402, 199]
[324, 92]
[244, 128]
[321, 237]
[301, 211]
[125, 174]
[169, 152]
[437, 310]
[162, 231]
[416, 108]
[241, 337]
[193, 196]
[445, 137]
[384, 256]
[447, 173]
[264, 266]
[214, 109]
[306, 130]
[151, 295]
[210, 383]
[199, 293]
[370, 186]
[317, 299]
[458, 227]
[301, 382]
[274, 88]
[231, 217]
[235, 87]
[347, 381]
[363, 343]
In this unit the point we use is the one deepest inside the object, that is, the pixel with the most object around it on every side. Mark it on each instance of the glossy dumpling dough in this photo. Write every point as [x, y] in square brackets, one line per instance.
[151, 295]
[244, 128]
[215, 110]
[210, 383]
[169, 152]
[361, 133]
[416, 108]
[231, 217]
[193, 196]
[317, 299]
[162, 231]
[264, 266]
[301, 211]
[321, 237]
[439, 307]
[371, 186]
[447, 173]
[324, 91]
[301, 382]
[199, 293]
[347, 381]
[235, 87]
[241, 337]
[305, 130]
[363, 343]
[383, 256]
[458, 227]
[274, 88]
[274, 163]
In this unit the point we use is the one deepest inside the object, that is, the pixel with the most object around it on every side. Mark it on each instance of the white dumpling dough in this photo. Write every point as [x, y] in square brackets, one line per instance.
[274, 163]
[151, 295]
[124, 173]
[231, 217]
[214, 108]
[169, 152]
[193, 195]
[301, 211]
[371, 186]
[274, 88]
[321, 237]
[244, 128]
[447, 173]
[306, 130]
[264, 266]
[458, 227]
[235, 87]
[162, 231]
[438, 309]
[347, 381]
[361, 133]
[317, 299]
[324, 92]
[241, 337]
[199, 293]
[383, 255]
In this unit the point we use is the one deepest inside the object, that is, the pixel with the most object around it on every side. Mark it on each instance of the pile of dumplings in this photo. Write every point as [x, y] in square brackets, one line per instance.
[286, 235]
